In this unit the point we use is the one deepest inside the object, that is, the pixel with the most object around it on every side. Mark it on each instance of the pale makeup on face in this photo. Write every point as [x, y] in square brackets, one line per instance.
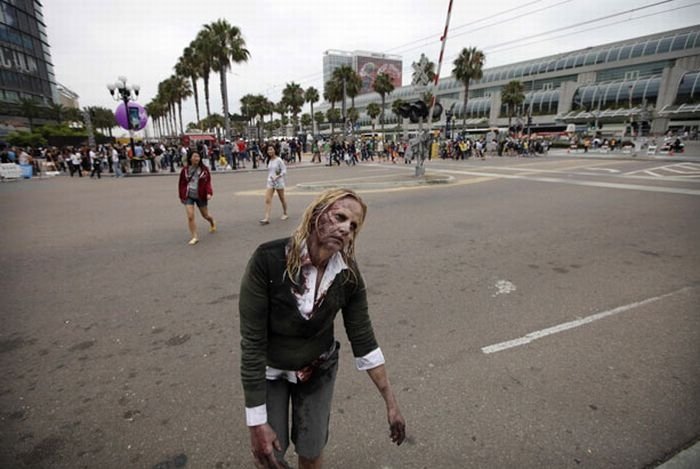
[336, 227]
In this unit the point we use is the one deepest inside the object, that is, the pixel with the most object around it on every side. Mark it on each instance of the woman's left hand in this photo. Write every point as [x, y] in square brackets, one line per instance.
[209, 196]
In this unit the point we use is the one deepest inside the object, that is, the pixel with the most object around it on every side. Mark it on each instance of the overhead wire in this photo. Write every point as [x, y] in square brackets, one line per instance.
[494, 49]
[517, 43]
[312, 77]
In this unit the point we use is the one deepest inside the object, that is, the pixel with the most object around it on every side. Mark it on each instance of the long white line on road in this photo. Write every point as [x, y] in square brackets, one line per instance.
[572, 324]
[607, 185]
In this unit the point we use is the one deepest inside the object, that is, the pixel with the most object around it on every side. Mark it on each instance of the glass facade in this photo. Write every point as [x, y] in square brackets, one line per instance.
[25, 62]
[689, 89]
[668, 42]
[333, 60]
[476, 107]
[619, 94]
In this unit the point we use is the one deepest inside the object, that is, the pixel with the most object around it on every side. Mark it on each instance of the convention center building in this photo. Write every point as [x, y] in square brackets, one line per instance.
[649, 83]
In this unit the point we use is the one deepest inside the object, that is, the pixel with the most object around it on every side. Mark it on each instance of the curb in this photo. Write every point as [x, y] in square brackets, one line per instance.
[689, 458]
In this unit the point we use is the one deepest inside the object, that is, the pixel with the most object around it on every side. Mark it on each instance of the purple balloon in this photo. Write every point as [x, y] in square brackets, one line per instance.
[137, 116]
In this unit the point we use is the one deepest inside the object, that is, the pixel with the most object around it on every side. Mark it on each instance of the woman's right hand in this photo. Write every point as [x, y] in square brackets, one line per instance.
[263, 441]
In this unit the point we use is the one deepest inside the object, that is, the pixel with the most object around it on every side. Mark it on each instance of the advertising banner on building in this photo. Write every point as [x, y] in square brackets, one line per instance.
[369, 67]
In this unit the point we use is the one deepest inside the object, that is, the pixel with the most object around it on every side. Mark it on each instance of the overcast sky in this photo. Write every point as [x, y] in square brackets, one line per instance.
[95, 41]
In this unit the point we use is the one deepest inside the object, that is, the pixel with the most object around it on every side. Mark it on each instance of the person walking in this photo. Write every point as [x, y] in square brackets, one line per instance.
[96, 159]
[276, 172]
[116, 164]
[291, 292]
[194, 188]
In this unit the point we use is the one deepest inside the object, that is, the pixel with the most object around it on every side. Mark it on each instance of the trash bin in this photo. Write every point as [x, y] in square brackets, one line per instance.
[27, 170]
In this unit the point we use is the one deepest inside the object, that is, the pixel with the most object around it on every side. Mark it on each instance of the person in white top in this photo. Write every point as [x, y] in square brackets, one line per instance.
[75, 163]
[276, 171]
[115, 163]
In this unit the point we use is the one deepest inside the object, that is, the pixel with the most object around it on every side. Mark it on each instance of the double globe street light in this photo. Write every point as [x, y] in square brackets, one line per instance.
[126, 93]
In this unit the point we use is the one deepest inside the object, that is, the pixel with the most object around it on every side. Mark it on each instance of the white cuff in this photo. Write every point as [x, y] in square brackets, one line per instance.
[256, 415]
[372, 360]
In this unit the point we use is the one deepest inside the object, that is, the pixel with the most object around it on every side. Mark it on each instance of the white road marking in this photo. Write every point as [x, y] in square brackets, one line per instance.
[609, 170]
[504, 287]
[678, 168]
[607, 185]
[691, 166]
[572, 324]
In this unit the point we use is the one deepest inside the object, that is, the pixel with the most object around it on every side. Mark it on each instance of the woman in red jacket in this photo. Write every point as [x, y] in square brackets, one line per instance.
[194, 187]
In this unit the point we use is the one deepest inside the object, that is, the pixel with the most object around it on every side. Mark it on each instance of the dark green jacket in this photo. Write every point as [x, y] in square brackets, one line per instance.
[273, 331]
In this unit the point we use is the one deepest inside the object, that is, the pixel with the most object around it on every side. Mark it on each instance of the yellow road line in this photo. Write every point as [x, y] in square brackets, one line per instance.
[294, 191]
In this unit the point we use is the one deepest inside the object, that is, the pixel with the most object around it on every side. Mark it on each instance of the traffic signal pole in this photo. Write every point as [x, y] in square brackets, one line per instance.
[420, 170]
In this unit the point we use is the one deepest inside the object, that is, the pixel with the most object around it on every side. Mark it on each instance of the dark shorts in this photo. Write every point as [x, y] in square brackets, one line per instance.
[311, 409]
[199, 203]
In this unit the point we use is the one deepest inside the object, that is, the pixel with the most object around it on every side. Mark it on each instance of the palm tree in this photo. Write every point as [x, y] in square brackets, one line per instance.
[58, 110]
[203, 46]
[349, 83]
[229, 48]
[512, 96]
[333, 116]
[332, 93]
[73, 115]
[353, 116]
[166, 95]
[188, 66]
[181, 90]
[102, 118]
[383, 86]
[468, 66]
[319, 118]
[293, 98]
[311, 96]
[306, 120]
[373, 111]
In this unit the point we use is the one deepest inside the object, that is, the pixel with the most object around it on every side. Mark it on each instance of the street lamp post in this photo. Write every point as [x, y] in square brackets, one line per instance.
[125, 93]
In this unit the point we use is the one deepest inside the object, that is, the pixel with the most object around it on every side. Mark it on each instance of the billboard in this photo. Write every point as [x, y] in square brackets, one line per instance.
[369, 67]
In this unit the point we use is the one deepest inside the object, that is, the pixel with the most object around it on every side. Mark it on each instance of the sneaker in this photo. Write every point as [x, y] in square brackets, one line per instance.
[212, 228]
[193, 241]
[284, 217]
[264, 222]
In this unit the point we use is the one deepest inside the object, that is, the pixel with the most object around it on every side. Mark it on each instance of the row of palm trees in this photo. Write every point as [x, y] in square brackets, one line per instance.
[215, 49]
[219, 45]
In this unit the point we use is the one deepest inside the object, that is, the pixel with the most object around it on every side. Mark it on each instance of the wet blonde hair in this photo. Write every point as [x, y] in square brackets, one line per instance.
[309, 223]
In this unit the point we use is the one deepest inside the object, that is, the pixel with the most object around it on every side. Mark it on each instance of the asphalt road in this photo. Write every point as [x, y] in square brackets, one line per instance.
[119, 342]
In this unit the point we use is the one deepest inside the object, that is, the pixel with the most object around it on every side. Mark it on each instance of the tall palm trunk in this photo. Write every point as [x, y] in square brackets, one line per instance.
[224, 99]
[206, 94]
[173, 116]
[179, 110]
[382, 118]
[196, 96]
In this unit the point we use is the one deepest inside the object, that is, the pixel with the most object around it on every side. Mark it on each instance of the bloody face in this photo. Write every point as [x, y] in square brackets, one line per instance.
[336, 227]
